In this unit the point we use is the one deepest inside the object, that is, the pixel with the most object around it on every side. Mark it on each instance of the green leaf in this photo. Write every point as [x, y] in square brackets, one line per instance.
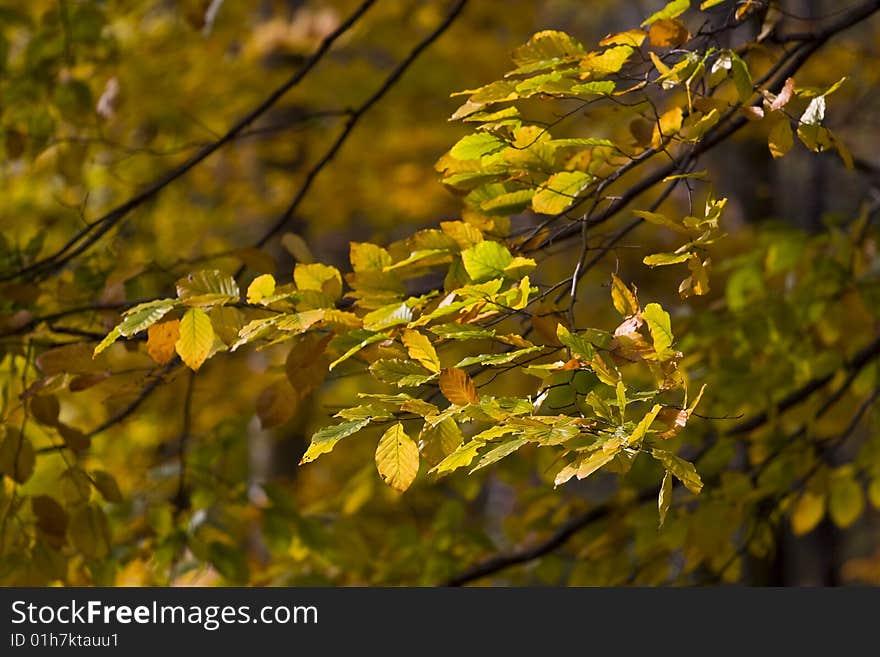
[741, 77]
[671, 10]
[580, 347]
[196, 338]
[498, 359]
[324, 440]
[486, 260]
[473, 147]
[144, 315]
[387, 316]
[397, 458]
[261, 287]
[594, 461]
[496, 454]
[661, 329]
[456, 331]
[546, 48]
[665, 497]
[683, 470]
[560, 191]
[229, 561]
[508, 202]
[602, 88]
[208, 287]
[402, 373]
[461, 457]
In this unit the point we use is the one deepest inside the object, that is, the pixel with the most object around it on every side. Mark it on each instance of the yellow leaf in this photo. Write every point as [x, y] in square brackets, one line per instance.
[623, 298]
[780, 140]
[397, 458]
[808, 512]
[420, 349]
[161, 339]
[457, 387]
[318, 277]
[196, 338]
[632, 38]
[609, 61]
[642, 427]
[261, 287]
[668, 125]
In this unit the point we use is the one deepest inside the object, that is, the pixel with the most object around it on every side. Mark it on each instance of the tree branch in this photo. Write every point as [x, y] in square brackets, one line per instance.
[88, 237]
[353, 118]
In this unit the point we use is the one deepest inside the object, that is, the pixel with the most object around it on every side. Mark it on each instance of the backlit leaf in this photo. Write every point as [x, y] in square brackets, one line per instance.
[397, 458]
[419, 348]
[403, 373]
[486, 260]
[324, 440]
[196, 338]
[457, 387]
[161, 340]
[684, 471]
[208, 287]
[261, 287]
[670, 10]
[660, 327]
[560, 191]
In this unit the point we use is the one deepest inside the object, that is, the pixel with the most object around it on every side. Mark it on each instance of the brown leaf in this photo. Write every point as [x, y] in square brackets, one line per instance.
[85, 381]
[458, 387]
[44, 409]
[74, 438]
[74, 357]
[51, 516]
[161, 338]
[276, 404]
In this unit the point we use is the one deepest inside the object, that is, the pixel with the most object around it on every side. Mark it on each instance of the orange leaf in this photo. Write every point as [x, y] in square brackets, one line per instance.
[668, 33]
[457, 386]
[161, 338]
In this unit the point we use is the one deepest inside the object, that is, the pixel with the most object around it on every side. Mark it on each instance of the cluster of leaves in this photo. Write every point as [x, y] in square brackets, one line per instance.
[467, 352]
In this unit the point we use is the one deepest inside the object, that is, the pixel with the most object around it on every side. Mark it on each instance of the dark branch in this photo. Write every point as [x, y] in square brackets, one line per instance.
[353, 119]
[88, 237]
